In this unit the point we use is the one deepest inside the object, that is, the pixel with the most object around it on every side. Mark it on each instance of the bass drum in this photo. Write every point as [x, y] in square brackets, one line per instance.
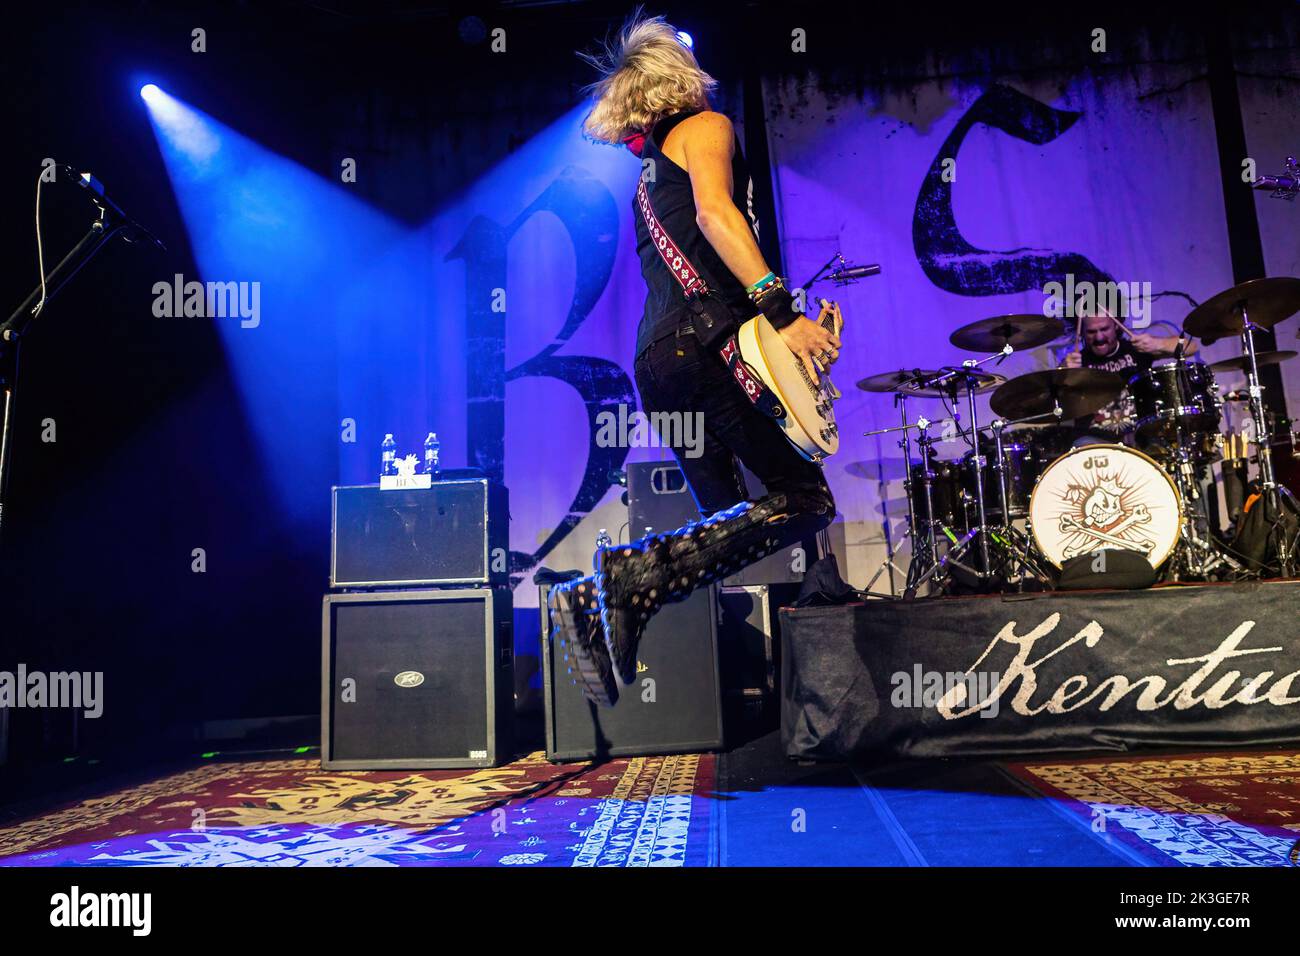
[1105, 496]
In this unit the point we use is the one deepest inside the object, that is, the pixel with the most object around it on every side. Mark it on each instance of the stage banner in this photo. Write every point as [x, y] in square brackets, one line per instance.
[1114, 670]
[976, 191]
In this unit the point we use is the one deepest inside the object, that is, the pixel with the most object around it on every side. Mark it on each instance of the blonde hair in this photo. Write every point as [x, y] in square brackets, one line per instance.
[647, 74]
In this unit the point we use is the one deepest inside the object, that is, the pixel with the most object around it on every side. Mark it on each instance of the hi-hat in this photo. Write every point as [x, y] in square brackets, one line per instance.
[894, 381]
[951, 381]
[1242, 362]
[1020, 331]
[1267, 302]
[1080, 392]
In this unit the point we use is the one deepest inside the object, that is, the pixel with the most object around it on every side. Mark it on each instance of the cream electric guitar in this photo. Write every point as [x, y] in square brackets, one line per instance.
[809, 421]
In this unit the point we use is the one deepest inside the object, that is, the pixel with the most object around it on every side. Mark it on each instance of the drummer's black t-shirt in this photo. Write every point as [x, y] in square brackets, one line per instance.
[1125, 361]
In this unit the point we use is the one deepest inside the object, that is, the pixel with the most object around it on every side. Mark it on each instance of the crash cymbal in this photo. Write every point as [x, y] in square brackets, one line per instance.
[1242, 362]
[951, 381]
[1080, 391]
[1022, 331]
[893, 381]
[1267, 302]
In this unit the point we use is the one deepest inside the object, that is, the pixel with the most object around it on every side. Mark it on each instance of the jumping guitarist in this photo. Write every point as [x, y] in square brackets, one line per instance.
[697, 201]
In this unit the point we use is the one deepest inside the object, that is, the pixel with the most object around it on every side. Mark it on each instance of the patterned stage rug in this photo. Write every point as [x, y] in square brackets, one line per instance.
[652, 811]
[1188, 810]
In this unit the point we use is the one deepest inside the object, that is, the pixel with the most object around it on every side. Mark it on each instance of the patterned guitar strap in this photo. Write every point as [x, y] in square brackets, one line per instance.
[694, 286]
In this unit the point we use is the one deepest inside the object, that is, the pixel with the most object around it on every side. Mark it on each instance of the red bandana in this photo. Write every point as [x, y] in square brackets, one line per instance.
[635, 142]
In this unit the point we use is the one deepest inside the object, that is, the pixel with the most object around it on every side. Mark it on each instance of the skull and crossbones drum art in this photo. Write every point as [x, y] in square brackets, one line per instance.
[1105, 496]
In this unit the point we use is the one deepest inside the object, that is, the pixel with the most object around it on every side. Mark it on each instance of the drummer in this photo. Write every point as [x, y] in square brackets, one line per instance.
[1106, 344]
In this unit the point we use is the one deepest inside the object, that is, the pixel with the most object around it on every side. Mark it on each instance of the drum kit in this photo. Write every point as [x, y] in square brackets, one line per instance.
[1032, 492]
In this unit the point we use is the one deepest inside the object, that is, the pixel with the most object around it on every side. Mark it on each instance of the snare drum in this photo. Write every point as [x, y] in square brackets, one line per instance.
[1173, 396]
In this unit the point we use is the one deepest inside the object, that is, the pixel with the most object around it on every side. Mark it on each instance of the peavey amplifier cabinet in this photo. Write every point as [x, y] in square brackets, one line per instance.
[417, 679]
[453, 533]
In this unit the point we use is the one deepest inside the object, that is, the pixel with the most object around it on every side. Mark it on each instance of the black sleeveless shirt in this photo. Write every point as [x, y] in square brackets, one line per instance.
[674, 205]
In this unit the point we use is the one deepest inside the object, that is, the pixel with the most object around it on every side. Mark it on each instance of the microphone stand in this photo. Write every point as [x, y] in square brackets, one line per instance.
[12, 331]
[838, 257]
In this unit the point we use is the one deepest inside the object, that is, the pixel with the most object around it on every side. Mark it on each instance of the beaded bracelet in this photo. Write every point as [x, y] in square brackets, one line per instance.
[768, 289]
[762, 285]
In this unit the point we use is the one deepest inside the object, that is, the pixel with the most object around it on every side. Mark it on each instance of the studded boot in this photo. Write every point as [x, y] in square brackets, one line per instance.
[634, 580]
[576, 630]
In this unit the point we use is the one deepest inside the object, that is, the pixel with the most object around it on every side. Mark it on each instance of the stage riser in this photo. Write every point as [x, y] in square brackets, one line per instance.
[1196, 667]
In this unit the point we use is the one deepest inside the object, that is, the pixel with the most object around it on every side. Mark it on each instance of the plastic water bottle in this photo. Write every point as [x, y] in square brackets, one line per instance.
[603, 540]
[388, 461]
[431, 463]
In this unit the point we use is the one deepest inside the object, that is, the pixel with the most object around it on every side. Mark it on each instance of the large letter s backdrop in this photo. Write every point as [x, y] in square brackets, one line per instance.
[974, 191]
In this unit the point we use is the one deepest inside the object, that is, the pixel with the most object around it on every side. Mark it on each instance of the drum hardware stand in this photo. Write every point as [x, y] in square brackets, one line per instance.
[982, 534]
[1020, 542]
[924, 544]
[1273, 493]
[1196, 557]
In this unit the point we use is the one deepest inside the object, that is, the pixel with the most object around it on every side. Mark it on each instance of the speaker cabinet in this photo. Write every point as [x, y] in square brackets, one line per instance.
[673, 707]
[453, 533]
[416, 680]
[659, 498]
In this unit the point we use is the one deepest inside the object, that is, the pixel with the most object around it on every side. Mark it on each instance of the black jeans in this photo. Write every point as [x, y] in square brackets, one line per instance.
[677, 374]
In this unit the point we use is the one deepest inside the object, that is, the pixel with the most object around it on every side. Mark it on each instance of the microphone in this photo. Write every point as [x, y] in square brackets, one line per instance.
[1283, 187]
[99, 197]
[849, 273]
[1277, 182]
[1182, 344]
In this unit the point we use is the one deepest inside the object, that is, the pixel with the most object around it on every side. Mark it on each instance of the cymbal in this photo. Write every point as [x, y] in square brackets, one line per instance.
[1242, 362]
[1080, 391]
[893, 381]
[1267, 302]
[1022, 331]
[956, 381]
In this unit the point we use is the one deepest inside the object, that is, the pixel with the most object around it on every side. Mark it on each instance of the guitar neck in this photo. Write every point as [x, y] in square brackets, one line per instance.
[827, 321]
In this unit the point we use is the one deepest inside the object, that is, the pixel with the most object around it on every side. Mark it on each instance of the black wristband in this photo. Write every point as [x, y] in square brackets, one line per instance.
[778, 307]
